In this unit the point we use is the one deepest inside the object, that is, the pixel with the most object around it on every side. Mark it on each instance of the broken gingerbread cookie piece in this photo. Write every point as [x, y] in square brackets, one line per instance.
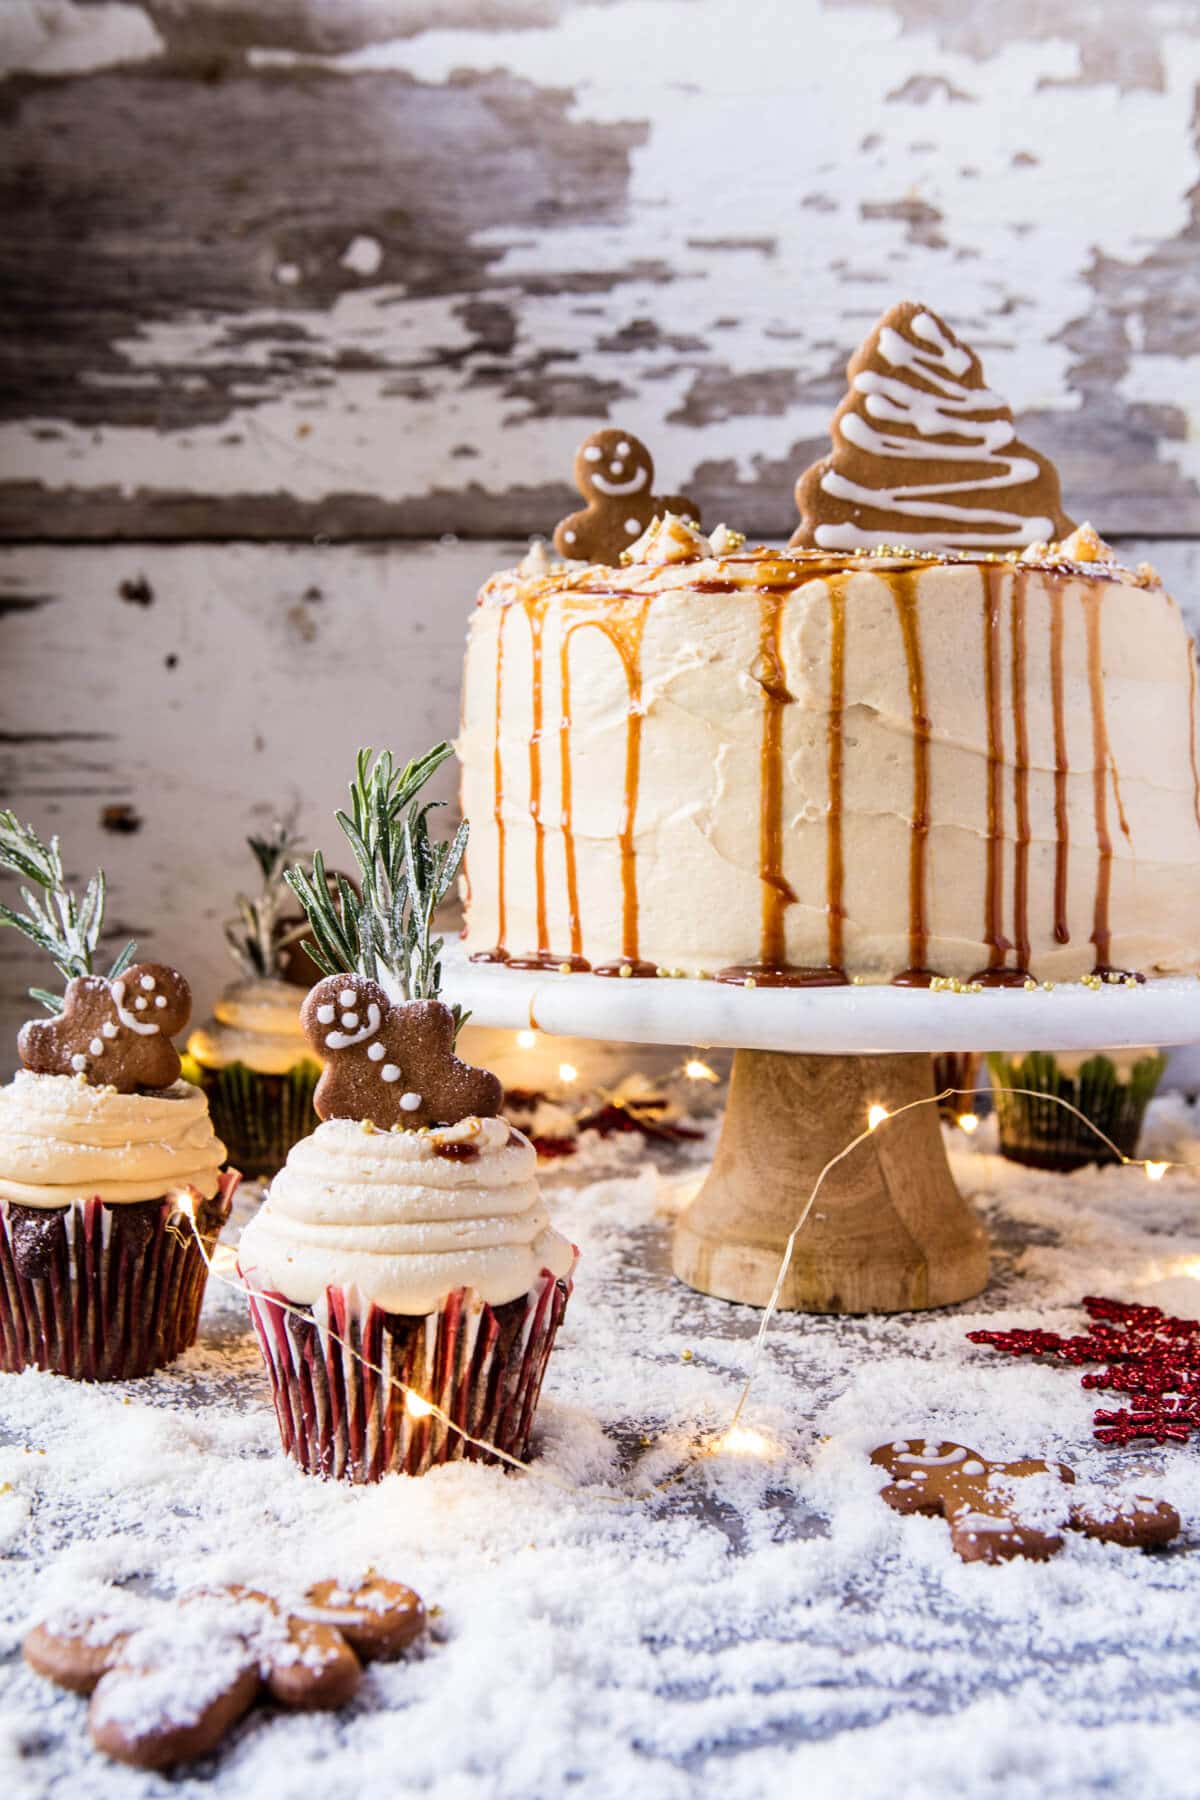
[1000, 1510]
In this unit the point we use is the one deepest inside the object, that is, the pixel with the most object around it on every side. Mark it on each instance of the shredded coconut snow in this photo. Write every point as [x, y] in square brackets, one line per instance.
[760, 1624]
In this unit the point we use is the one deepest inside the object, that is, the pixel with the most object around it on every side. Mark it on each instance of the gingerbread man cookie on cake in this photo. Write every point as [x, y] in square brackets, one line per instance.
[614, 472]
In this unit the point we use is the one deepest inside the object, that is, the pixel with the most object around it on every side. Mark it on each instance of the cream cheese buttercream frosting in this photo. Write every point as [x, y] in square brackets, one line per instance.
[255, 1022]
[405, 1217]
[62, 1140]
[832, 766]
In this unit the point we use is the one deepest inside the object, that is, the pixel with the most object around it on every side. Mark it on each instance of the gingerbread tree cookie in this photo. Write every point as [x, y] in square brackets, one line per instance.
[111, 1030]
[614, 472]
[925, 455]
[388, 1061]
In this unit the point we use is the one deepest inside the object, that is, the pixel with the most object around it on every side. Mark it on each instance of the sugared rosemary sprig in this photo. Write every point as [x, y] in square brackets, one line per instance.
[65, 926]
[404, 875]
[254, 938]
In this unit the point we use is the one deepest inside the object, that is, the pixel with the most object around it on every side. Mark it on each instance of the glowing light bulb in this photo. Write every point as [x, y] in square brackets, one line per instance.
[1156, 1171]
[568, 1072]
[416, 1407]
[740, 1440]
[875, 1116]
[526, 1040]
[695, 1070]
[186, 1203]
[968, 1122]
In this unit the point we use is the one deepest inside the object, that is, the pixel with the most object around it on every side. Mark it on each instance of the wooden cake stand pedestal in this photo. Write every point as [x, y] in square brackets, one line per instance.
[889, 1231]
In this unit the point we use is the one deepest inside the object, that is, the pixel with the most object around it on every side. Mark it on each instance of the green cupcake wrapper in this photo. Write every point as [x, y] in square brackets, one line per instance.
[258, 1117]
[1042, 1135]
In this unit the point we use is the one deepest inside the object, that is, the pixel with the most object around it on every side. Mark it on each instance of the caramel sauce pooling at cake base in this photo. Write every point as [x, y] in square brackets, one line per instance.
[620, 614]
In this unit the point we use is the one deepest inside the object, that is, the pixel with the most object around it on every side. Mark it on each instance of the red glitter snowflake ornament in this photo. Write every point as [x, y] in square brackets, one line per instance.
[1146, 1353]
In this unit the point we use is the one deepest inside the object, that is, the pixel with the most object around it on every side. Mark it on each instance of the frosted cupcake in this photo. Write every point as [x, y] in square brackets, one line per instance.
[109, 1165]
[405, 1282]
[251, 1058]
[1111, 1091]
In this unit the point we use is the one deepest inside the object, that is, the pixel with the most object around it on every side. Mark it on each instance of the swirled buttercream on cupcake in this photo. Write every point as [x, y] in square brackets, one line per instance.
[62, 1140]
[257, 1023]
[404, 1217]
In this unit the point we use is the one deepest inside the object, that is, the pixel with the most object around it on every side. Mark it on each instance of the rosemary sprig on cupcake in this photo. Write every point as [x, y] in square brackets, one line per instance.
[254, 937]
[386, 932]
[65, 925]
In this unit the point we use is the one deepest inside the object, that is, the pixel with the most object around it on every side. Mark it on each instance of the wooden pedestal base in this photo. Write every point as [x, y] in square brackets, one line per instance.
[889, 1230]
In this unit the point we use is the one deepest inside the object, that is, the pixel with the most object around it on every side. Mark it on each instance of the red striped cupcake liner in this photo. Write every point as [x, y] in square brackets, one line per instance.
[339, 1370]
[104, 1292]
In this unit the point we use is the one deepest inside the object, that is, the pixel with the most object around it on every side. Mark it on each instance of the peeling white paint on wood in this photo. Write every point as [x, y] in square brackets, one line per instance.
[285, 660]
[680, 216]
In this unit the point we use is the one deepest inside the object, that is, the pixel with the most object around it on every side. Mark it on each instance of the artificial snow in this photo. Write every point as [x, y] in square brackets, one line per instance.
[636, 1616]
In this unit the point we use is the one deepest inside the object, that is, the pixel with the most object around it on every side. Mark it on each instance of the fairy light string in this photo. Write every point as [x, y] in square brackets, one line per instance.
[736, 1438]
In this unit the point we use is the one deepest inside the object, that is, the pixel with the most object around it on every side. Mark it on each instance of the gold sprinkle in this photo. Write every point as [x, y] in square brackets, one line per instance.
[663, 974]
[1030, 985]
[685, 1355]
[750, 982]
[564, 968]
[625, 971]
[858, 981]
[1048, 987]
[1131, 981]
[367, 1125]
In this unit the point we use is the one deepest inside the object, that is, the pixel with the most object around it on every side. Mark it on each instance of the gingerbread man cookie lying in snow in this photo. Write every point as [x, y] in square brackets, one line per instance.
[614, 472]
[113, 1033]
[998, 1510]
[168, 1681]
[393, 1065]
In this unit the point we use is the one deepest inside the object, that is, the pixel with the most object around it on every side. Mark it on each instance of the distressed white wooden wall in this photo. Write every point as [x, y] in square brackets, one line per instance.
[317, 272]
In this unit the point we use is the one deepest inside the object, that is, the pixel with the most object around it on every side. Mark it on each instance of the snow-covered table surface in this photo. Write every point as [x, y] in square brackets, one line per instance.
[761, 1626]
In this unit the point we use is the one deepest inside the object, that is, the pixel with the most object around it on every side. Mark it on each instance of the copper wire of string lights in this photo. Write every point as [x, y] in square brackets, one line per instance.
[736, 1438]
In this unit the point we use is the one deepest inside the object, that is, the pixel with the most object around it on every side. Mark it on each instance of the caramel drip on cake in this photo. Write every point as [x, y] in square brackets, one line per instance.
[772, 968]
[1101, 934]
[499, 954]
[1020, 779]
[624, 628]
[994, 881]
[905, 596]
[834, 866]
[535, 613]
[1191, 656]
[1062, 828]
[567, 793]
[777, 892]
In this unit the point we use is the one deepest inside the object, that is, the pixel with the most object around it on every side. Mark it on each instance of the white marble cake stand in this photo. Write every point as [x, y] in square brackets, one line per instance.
[890, 1230]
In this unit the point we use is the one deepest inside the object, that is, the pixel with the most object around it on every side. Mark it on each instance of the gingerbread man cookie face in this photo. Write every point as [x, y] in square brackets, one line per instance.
[392, 1065]
[999, 1510]
[614, 472]
[113, 1033]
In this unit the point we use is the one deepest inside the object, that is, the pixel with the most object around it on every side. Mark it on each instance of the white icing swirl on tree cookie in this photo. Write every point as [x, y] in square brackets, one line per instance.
[920, 446]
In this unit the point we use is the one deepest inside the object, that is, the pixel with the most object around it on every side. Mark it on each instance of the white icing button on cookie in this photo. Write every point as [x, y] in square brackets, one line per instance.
[633, 527]
[325, 1015]
[347, 997]
[148, 982]
[350, 1021]
[96, 1047]
[376, 1052]
[593, 453]
[109, 1029]
[410, 1102]
[78, 1063]
[390, 1072]
[141, 1003]
[160, 999]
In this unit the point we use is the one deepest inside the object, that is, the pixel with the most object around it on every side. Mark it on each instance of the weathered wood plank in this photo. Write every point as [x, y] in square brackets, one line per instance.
[160, 702]
[372, 269]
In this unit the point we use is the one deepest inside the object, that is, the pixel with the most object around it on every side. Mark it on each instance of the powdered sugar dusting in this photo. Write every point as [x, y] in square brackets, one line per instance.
[763, 1622]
